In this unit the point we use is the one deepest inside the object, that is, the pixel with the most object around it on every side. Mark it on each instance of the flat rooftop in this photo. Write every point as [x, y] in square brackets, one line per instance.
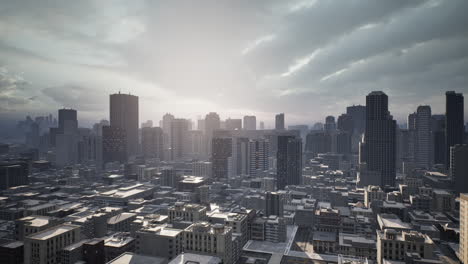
[131, 258]
[54, 231]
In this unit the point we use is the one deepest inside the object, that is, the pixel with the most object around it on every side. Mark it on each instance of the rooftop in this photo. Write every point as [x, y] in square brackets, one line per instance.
[52, 232]
[131, 258]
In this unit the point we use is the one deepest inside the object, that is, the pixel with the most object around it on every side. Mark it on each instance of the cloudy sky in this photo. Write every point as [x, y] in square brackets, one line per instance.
[305, 58]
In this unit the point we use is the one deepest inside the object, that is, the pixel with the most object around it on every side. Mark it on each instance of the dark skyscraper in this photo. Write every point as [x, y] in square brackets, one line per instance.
[222, 150]
[438, 138]
[273, 204]
[67, 118]
[279, 121]
[459, 168]
[379, 140]
[454, 128]
[288, 161]
[358, 115]
[179, 138]
[124, 115]
[113, 144]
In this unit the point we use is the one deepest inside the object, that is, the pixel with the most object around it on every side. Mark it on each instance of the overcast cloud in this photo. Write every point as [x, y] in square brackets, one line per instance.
[308, 59]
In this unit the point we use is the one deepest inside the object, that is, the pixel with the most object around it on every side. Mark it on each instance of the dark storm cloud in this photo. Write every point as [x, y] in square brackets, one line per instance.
[304, 57]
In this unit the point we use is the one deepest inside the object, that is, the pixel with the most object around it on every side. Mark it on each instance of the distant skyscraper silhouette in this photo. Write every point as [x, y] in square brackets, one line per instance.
[114, 147]
[250, 123]
[124, 115]
[279, 121]
[438, 138]
[212, 123]
[179, 138]
[454, 128]
[358, 114]
[379, 142]
[152, 142]
[423, 147]
[222, 150]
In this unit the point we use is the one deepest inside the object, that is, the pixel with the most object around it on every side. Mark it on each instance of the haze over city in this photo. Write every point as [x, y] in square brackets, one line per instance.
[233, 132]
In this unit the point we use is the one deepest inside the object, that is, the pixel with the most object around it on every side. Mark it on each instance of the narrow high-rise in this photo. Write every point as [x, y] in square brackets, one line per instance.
[379, 142]
[152, 142]
[423, 147]
[288, 161]
[459, 168]
[222, 151]
[279, 121]
[454, 128]
[179, 138]
[258, 156]
[250, 123]
[124, 115]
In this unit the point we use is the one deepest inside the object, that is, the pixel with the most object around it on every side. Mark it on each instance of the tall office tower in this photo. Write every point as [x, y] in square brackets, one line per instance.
[459, 168]
[197, 144]
[166, 126]
[233, 124]
[358, 114]
[330, 124]
[44, 247]
[402, 150]
[379, 140]
[258, 156]
[152, 142]
[67, 120]
[262, 125]
[423, 146]
[250, 123]
[179, 138]
[66, 139]
[345, 123]
[114, 147]
[201, 125]
[279, 121]
[124, 115]
[273, 204]
[288, 162]
[212, 123]
[13, 173]
[438, 138]
[222, 151]
[463, 252]
[411, 138]
[318, 142]
[240, 156]
[454, 128]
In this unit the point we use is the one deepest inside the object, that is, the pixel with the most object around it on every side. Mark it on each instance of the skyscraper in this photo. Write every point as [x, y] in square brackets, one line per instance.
[274, 204]
[250, 123]
[67, 120]
[358, 114]
[330, 124]
[124, 115]
[258, 156]
[152, 142]
[179, 138]
[233, 124]
[438, 139]
[454, 128]
[113, 144]
[379, 141]
[212, 123]
[288, 161]
[66, 139]
[423, 147]
[459, 168]
[222, 151]
[279, 121]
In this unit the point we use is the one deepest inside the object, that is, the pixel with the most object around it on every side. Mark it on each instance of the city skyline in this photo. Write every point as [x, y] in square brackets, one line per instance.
[287, 63]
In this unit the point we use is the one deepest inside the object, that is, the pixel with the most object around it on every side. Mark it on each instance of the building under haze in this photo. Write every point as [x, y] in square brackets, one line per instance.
[152, 144]
[459, 167]
[124, 115]
[222, 151]
[454, 122]
[279, 121]
[288, 161]
[179, 138]
[250, 123]
[114, 147]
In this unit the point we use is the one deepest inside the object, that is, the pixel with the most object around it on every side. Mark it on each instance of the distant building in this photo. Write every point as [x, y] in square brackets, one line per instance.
[289, 161]
[222, 150]
[152, 144]
[233, 124]
[159, 241]
[114, 147]
[454, 122]
[279, 121]
[459, 167]
[179, 138]
[274, 204]
[13, 173]
[250, 123]
[124, 114]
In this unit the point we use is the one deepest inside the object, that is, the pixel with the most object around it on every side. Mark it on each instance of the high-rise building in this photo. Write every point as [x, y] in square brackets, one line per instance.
[222, 151]
[330, 124]
[262, 125]
[258, 156]
[66, 138]
[13, 173]
[422, 137]
[279, 121]
[240, 156]
[233, 124]
[166, 126]
[459, 168]
[114, 147]
[250, 123]
[463, 252]
[179, 138]
[197, 146]
[438, 139]
[318, 142]
[379, 143]
[152, 142]
[124, 115]
[67, 120]
[454, 119]
[345, 123]
[274, 204]
[212, 123]
[358, 115]
[288, 161]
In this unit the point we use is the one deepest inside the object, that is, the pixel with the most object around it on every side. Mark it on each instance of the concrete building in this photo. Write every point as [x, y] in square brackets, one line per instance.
[32, 224]
[202, 168]
[159, 241]
[459, 167]
[221, 152]
[250, 123]
[274, 204]
[454, 119]
[394, 245]
[124, 114]
[44, 247]
[279, 122]
[121, 222]
[13, 173]
[152, 144]
[372, 193]
[463, 228]
[179, 138]
[208, 239]
[258, 156]
[187, 212]
[357, 245]
[289, 161]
